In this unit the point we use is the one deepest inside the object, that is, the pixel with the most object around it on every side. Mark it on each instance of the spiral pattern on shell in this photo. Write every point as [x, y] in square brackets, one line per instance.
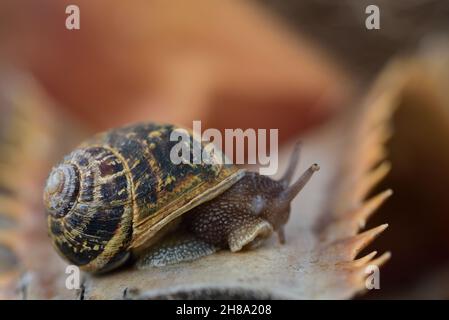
[89, 212]
[61, 190]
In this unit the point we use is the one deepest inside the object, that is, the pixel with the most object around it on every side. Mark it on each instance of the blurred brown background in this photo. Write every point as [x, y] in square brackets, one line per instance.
[230, 64]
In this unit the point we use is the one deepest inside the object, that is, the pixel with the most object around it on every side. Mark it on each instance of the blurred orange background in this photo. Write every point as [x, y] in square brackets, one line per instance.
[231, 64]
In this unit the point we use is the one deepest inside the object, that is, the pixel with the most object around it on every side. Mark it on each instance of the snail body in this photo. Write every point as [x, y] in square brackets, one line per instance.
[118, 195]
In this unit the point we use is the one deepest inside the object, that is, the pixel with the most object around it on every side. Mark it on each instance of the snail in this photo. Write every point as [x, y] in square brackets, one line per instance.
[117, 197]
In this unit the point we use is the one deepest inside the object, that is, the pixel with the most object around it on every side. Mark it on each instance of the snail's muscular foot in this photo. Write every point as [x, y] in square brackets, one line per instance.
[179, 247]
[249, 235]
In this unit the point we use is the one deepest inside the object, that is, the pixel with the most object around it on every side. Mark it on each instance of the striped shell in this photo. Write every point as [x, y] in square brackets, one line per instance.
[114, 193]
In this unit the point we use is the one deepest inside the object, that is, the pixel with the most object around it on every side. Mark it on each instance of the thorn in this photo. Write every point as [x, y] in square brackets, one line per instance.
[382, 259]
[375, 135]
[370, 206]
[359, 262]
[364, 260]
[360, 241]
[372, 179]
[376, 154]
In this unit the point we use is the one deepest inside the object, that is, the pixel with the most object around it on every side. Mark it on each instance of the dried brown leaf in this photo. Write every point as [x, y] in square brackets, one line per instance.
[318, 261]
[322, 240]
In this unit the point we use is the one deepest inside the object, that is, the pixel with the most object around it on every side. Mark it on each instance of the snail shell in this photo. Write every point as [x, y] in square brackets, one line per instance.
[113, 194]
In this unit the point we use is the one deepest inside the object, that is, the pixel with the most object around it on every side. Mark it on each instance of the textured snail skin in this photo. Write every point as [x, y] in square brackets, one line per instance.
[243, 211]
[117, 190]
